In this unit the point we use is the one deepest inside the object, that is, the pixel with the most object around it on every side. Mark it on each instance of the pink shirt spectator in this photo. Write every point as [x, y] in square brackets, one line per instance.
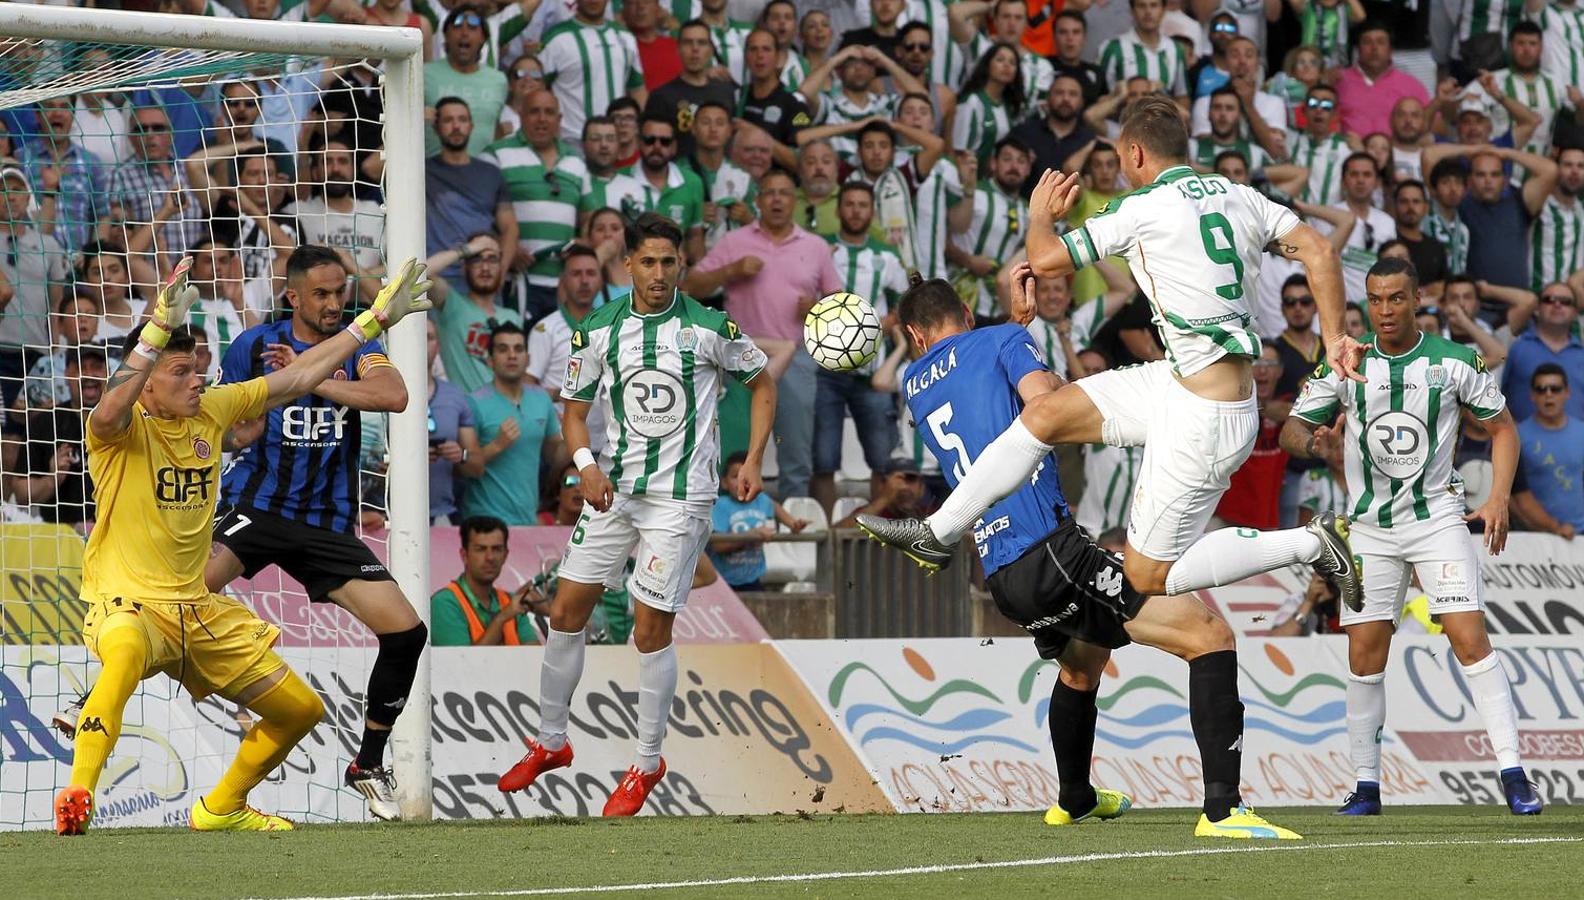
[798, 267]
[1365, 106]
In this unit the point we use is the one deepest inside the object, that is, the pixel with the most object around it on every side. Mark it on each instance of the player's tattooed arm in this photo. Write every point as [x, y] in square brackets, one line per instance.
[1298, 438]
[114, 413]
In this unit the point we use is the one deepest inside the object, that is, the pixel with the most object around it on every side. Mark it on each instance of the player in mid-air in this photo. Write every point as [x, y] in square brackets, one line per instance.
[965, 387]
[658, 359]
[1397, 439]
[291, 498]
[154, 453]
[1194, 243]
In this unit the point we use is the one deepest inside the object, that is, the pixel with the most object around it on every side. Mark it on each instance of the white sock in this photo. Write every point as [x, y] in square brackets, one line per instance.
[657, 681]
[1487, 682]
[1233, 554]
[1002, 468]
[558, 678]
[1366, 716]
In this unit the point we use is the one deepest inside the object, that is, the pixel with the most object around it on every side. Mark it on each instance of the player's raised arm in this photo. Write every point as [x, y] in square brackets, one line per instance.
[1324, 268]
[405, 293]
[1052, 199]
[110, 418]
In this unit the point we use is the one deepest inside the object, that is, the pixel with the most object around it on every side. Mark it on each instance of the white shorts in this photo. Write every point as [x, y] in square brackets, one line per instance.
[1191, 448]
[1442, 554]
[668, 534]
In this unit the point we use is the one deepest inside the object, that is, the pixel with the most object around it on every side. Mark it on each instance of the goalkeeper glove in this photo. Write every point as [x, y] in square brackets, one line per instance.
[170, 308]
[406, 293]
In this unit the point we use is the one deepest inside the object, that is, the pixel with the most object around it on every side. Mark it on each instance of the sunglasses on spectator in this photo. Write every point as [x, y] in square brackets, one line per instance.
[1317, 103]
[918, 48]
[471, 20]
[153, 127]
[1304, 300]
[555, 186]
[1224, 28]
[662, 140]
[1548, 388]
[526, 73]
[572, 481]
[1557, 299]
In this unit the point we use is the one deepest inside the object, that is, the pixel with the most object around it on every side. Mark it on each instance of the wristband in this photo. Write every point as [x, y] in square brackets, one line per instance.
[154, 335]
[365, 327]
[146, 350]
[583, 457]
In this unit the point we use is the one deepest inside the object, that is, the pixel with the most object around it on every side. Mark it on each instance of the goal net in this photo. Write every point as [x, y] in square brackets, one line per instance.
[132, 141]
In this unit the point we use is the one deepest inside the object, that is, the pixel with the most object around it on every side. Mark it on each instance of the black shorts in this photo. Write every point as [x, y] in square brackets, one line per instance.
[1065, 588]
[320, 559]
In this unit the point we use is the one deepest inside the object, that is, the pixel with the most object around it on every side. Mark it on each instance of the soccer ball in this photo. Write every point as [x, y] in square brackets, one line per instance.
[841, 332]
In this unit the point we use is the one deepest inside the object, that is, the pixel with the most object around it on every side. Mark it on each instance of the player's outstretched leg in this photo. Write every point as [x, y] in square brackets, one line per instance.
[123, 649]
[1233, 554]
[559, 673]
[1492, 694]
[1072, 727]
[288, 709]
[1369, 644]
[657, 680]
[1183, 627]
[402, 637]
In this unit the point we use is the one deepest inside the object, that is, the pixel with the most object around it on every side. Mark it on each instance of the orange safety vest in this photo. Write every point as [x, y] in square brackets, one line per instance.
[475, 626]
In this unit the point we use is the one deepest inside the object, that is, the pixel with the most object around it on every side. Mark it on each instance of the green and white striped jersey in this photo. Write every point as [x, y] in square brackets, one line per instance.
[1323, 159]
[999, 225]
[1402, 427]
[221, 323]
[681, 200]
[1204, 150]
[948, 63]
[873, 270]
[1319, 493]
[725, 186]
[836, 108]
[980, 122]
[662, 376]
[795, 72]
[937, 193]
[1477, 17]
[619, 191]
[545, 199]
[1036, 70]
[1562, 50]
[1109, 476]
[588, 66]
[1195, 244]
[1556, 242]
[1453, 235]
[1542, 94]
[1126, 56]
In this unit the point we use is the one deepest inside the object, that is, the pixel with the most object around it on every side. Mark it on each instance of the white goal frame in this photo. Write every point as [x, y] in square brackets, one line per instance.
[401, 49]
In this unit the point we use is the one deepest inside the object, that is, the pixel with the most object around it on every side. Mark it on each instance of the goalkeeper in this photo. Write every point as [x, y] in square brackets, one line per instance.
[154, 453]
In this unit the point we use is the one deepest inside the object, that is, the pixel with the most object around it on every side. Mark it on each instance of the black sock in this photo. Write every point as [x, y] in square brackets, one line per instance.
[1072, 729]
[390, 681]
[1217, 716]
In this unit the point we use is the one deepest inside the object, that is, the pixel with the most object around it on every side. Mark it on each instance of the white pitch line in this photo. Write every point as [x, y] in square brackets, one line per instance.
[934, 870]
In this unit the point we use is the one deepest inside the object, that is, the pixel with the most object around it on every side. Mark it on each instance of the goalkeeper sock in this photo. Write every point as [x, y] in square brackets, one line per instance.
[1072, 731]
[657, 681]
[1002, 468]
[1487, 683]
[1217, 717]
[123, 650]
[390, 681]
[1233, 554]
[558, 678]
[1366, 716]
[287, 711]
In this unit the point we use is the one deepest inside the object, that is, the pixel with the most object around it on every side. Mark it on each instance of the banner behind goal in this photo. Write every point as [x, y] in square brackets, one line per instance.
[133, 140]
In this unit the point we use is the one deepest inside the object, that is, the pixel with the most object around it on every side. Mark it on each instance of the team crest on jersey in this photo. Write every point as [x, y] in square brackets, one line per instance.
[201, 448]
[1435, 376]
[687, 339]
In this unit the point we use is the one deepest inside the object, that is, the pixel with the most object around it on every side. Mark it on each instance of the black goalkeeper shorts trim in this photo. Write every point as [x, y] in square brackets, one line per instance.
[1065, 588]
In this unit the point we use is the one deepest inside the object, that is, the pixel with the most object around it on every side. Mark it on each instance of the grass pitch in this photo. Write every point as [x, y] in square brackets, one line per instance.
[1410, 852]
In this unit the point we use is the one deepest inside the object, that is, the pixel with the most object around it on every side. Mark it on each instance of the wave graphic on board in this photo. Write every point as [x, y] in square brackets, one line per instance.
[907, 720]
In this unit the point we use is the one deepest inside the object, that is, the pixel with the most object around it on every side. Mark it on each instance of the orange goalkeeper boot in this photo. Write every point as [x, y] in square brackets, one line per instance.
[74, 809]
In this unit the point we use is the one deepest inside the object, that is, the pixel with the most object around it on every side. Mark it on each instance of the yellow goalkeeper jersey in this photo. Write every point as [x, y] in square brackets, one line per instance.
[157, 484]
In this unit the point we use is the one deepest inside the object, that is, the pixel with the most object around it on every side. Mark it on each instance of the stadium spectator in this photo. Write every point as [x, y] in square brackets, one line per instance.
[605, 230]
[668, 189]
[544, 178]
[1562, 24]
[1553, 338]
[995, 232]
[517, 429]
[899, 492]
[773, 271]
[857, 96]
[106, 271]
[470, 611]
[59, 488]
[1471, 118]
[1255, 498]
[1460, 303]
[1549, 494]
[625, 112]
[1225, 127]
[679, 99]
[70, 184]
[523, 77]
[1498, 215]
[816, 38]
[34, 274]
[550, 339]
[737, 546]
[916, 54]
[1557, 239]
[731, 191]
[1059, 133]
[1369, 89]
[730, 36]
[1409, 134]
[568, 504]
[752, 149]
[779, 17]
[883, 32]
[767, 105]
[466, 320]
[453, 438]
[73, 324]
[1210, 71]
[657, 51]
[1008, 23]
[1318, 148]
[193, 106]
[1263, 116]
[1410, 206]
[149, 173]
[1071, 32]
[817, 179]
[332, 216]
[588, 63]
[1312, 611]
[220, 311]
[1360, 182]
[1145, 52]
[463, 74]
[990, 103]
[464, 195]
[607, 185]
[1448, 186]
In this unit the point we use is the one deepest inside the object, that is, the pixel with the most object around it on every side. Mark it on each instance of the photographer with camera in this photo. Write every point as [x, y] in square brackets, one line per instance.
[471, 610]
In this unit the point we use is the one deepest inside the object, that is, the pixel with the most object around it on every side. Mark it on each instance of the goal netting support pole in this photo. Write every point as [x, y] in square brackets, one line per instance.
[49, 52]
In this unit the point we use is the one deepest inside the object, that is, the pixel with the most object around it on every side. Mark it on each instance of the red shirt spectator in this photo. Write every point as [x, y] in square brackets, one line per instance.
[657, 52]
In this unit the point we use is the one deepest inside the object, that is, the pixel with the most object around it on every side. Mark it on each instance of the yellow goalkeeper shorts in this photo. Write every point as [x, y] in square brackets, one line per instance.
[214, 646]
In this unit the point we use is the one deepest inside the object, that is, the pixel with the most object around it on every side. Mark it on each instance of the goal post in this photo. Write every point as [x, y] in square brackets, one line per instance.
[148, 49]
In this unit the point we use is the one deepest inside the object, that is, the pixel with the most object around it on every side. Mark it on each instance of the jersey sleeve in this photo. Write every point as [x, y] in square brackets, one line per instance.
[1106, 233]
[229, 404]
[447, 624]
[235, 365]
[736, 352]
[1019, 355]
[1320, 396]
[1477, 389]
[584, 368]
[965, 124]
[1275, 220]
[369, 357]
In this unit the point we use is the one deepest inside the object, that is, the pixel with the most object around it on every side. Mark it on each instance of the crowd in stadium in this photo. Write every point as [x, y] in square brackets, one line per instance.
[805, 148]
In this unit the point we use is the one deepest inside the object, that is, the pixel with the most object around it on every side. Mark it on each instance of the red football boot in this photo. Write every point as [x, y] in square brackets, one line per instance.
[74, 810]
[537, 762]
[634, 789]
